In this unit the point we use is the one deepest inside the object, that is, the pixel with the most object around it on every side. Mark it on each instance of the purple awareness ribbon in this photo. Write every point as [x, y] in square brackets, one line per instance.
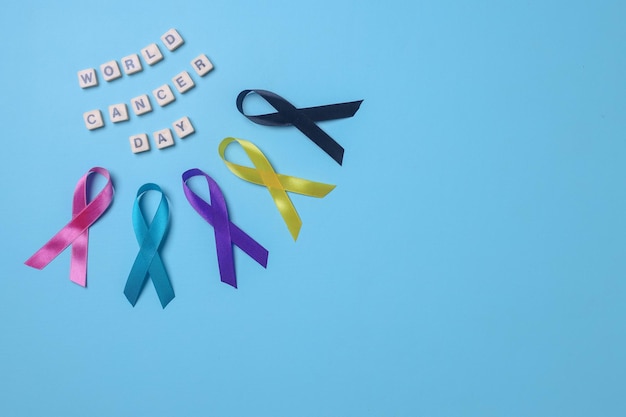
[226, 233]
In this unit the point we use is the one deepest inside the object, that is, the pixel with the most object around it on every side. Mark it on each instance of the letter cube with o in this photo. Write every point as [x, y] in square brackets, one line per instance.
[110, 70]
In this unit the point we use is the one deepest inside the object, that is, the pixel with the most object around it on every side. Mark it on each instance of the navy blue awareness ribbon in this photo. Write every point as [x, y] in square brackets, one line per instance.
[303, 119]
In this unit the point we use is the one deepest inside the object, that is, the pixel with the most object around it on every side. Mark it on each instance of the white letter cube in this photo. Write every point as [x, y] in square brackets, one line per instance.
[183, 82]
[93, 119]
[183, 127]
[202, 65]
[110, 70]
[163, 95]
[87, 78]
[163, 138]
[139, 143]
[152, 54]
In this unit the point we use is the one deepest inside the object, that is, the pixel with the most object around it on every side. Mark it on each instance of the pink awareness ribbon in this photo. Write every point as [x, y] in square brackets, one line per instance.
[76, 232]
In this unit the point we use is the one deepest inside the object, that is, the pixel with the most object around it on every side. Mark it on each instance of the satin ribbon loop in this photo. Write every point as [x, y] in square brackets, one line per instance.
[227, 233]
[303, 119]
[148, 262]
[263, 174]
[76, 232]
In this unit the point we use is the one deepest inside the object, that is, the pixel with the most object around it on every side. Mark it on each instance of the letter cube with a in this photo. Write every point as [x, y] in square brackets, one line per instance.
[118, 112]
[163, 138]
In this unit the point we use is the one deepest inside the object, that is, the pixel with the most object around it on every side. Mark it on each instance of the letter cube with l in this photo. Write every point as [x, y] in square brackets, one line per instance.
[152, 54]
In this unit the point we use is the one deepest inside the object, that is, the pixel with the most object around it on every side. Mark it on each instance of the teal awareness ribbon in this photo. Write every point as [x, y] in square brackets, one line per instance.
[148, 261]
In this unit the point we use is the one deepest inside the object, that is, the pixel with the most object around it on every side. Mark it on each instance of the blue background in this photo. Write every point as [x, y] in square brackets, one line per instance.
[470, 262]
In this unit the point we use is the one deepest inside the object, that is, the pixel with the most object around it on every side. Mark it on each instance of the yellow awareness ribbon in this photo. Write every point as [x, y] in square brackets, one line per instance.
[278, 184]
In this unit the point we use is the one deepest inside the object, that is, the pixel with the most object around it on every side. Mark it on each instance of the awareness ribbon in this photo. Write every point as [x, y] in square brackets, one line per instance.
[148, 261]
[226, 233]
[303, 119]
[278, 184]
[76, 232]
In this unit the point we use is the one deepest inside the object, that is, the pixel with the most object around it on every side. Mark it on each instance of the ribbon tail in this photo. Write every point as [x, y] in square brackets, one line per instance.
[287, 211]
[321, 139]
[250, 246]
[161, 281]
[78, 259]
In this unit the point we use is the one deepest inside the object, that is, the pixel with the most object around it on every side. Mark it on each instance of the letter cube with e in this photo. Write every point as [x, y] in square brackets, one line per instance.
[202, 65]
[93, 119]
[163, 138]
[139, 143]
[183, 82]
[183, 127]
[163, 95]
[110, 70]
[172, 39]
[87, 78]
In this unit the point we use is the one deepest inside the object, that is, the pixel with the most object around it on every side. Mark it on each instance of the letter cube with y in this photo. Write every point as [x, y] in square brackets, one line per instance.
[202, 65]
[110, 70]
[93, 119]
[164, 95]
[183, 82]
[139, 143]
[163, 138]
[118, 112]
[141, 104]
[172, 39]
[87, 78]
[131, 64]
[152, 54]
[183, 127]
